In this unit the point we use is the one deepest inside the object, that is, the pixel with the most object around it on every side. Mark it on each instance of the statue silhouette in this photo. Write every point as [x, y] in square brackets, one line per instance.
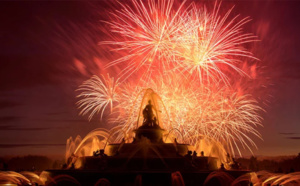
[148, 114]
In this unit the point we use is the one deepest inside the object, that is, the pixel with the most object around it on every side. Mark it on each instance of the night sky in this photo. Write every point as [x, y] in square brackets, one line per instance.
[47, 49]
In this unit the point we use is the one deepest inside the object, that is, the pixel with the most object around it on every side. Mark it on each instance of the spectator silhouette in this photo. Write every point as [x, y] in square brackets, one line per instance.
[102, 154]
[194, 154]
[202, 153]
[222, 167]
[189, 155]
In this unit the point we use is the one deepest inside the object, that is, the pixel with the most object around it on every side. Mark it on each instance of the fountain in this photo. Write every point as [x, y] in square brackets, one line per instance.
[148, 157]
[146, 154]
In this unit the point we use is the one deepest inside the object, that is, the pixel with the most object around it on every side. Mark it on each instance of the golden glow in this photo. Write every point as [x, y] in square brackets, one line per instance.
[217, 113]
[178, 51]
[267, 178]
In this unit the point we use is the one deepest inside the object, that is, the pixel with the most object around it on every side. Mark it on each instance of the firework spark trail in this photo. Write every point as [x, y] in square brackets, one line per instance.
[96, 94]
[156, 35]
[236, 117]
[195, 112]
[147, 31]
[188, 44]
[211, 41]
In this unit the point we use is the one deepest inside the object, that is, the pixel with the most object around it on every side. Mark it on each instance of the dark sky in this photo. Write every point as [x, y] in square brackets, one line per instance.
[47, 49]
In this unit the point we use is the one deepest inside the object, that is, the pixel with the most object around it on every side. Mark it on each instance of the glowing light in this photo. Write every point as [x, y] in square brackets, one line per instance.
[96, 94]
[210, 41]
[157, 36]
[147, 31]
[178, 51]
[212, 111]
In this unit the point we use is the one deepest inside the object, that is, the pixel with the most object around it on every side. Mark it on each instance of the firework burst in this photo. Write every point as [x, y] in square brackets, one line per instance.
[148, 32]
[157, 36]
[97, 94]
[216, 112]
[175, 49]
[211, 41]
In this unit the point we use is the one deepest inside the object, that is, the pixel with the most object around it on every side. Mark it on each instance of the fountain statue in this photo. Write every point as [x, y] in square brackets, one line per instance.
[147, 159]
